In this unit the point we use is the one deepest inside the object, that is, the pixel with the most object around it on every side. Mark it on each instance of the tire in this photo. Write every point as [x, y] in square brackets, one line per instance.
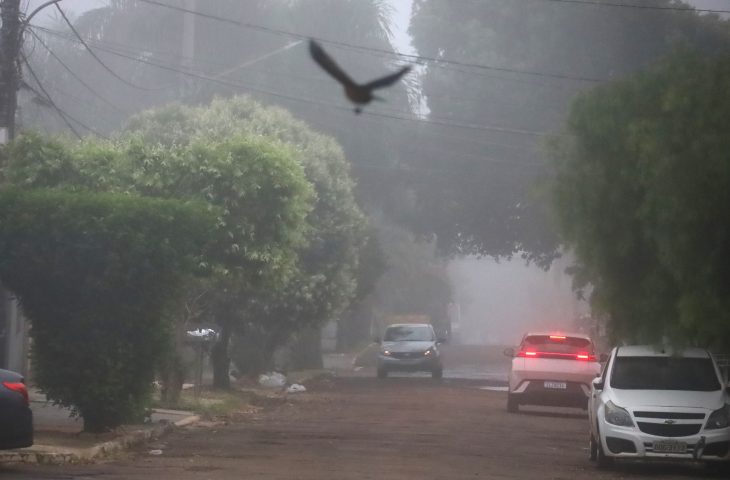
[382, 373]
[718, 468]
[512, 405]
[592, 449]
[602, 460]
[438, 373]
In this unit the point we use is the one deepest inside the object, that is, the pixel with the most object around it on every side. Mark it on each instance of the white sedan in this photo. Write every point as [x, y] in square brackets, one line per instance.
[658, 403]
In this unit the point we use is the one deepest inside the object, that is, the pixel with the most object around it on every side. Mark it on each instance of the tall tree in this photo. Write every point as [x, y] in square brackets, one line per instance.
[641, 193]
[531, 57]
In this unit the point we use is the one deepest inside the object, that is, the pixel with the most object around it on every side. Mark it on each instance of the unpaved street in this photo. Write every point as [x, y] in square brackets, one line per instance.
[362, 428]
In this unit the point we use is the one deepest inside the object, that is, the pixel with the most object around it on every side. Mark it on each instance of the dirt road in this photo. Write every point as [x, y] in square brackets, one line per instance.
[362, 428]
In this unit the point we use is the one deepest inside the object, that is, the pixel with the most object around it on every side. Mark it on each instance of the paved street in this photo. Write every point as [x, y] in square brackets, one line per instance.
[362, 428]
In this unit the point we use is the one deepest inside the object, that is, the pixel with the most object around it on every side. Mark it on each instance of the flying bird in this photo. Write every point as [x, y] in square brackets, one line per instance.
[358, 94]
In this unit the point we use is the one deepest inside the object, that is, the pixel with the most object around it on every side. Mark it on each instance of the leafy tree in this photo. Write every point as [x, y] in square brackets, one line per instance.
[640, 192]
[473, 186]
[263, 196]
[324, 280]
[94, 273]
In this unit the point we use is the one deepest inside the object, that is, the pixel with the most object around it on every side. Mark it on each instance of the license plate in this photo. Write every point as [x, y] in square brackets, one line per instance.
[556, 385]
[667, 446]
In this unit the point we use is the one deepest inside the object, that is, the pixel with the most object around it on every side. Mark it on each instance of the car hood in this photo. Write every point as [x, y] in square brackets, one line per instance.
[404, 347]
[634, 399]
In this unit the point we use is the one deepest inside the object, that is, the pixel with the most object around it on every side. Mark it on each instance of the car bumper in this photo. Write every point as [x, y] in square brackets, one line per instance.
[422, 364]
[630, 442]
[534, 392]
[16, 428]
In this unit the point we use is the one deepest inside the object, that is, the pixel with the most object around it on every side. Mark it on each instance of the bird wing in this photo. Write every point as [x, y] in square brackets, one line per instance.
[388, 79]
[329, 65]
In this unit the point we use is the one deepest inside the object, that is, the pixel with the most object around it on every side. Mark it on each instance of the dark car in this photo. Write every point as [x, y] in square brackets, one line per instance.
[16, 418]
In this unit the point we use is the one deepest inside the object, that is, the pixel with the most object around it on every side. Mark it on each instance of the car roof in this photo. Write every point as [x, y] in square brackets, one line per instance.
[655, 351]
[564, 334]
[409, 325]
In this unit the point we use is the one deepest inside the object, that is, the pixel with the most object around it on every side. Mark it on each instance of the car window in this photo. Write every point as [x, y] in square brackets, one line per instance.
[409, 334]
[557, 344]
[664, 373]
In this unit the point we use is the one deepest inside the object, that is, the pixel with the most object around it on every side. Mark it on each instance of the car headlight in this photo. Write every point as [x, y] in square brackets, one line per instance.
[719, 418]
[429, 352]
[386, 353]
[617, 415]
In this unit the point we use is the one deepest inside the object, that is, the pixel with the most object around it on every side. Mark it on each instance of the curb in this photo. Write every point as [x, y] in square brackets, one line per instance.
[60, 455]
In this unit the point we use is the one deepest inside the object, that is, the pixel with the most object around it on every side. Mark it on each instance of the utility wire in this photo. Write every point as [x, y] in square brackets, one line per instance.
[101, 45]
[74, 75]
[599, 3]
[431, 120]
[418, 58]
[96, 57]
[60, 112]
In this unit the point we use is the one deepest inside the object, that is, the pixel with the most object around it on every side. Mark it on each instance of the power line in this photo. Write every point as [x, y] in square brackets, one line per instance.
[74, 75]
[96, 57]
[60, 112]
[600, 3]
[431, 120]
[418, 58]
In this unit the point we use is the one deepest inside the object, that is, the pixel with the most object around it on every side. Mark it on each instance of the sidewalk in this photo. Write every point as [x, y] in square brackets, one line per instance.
[59, 438]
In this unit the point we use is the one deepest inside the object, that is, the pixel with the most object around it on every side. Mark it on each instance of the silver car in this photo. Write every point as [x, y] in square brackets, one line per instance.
[409, 347]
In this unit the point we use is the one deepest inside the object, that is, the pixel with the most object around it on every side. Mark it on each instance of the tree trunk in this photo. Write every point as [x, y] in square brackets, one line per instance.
[220, 359]
[307, 351]
[172, 373]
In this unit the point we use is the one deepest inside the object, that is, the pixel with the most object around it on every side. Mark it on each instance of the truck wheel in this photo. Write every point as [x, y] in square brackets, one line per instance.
[512, 405]
[382, 373]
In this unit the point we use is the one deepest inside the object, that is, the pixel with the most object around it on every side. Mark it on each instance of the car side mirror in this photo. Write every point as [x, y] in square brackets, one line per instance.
[597, 384]
[603, 357]
[509, 352]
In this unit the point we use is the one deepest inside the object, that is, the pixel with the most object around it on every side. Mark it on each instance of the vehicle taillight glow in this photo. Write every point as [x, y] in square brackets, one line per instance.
[567, 356]
[585, 356]
[557, 337]
[18, 387]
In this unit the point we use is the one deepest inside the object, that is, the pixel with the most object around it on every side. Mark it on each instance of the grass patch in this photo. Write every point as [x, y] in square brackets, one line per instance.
[211, 403]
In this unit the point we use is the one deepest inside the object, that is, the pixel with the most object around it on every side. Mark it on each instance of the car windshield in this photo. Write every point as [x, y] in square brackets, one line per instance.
[409, 334]
[664, 373]
[557, 344]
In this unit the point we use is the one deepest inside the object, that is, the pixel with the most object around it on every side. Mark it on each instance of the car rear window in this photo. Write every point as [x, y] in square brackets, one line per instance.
[557, 344]
[664, 373]
[409, 334]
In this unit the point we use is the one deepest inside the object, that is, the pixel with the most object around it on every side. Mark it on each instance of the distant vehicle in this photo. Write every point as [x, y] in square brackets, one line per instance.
[552, 369]
[659, 404]
[16, 418]
[409, 347]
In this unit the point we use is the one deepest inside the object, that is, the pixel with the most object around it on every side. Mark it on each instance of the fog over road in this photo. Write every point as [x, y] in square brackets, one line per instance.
[356, 426]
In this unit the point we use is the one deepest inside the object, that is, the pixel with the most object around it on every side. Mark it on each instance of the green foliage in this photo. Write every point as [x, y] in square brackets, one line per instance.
[476, 194]
[641, 191]
[324, 279]
[94, 273]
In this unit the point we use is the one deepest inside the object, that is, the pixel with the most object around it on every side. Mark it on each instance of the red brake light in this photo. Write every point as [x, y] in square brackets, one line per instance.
[557, 337]
[19, 388]
[585, 356]
[524, 353]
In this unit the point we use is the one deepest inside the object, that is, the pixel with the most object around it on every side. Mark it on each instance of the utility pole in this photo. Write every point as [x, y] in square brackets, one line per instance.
[9, 73]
